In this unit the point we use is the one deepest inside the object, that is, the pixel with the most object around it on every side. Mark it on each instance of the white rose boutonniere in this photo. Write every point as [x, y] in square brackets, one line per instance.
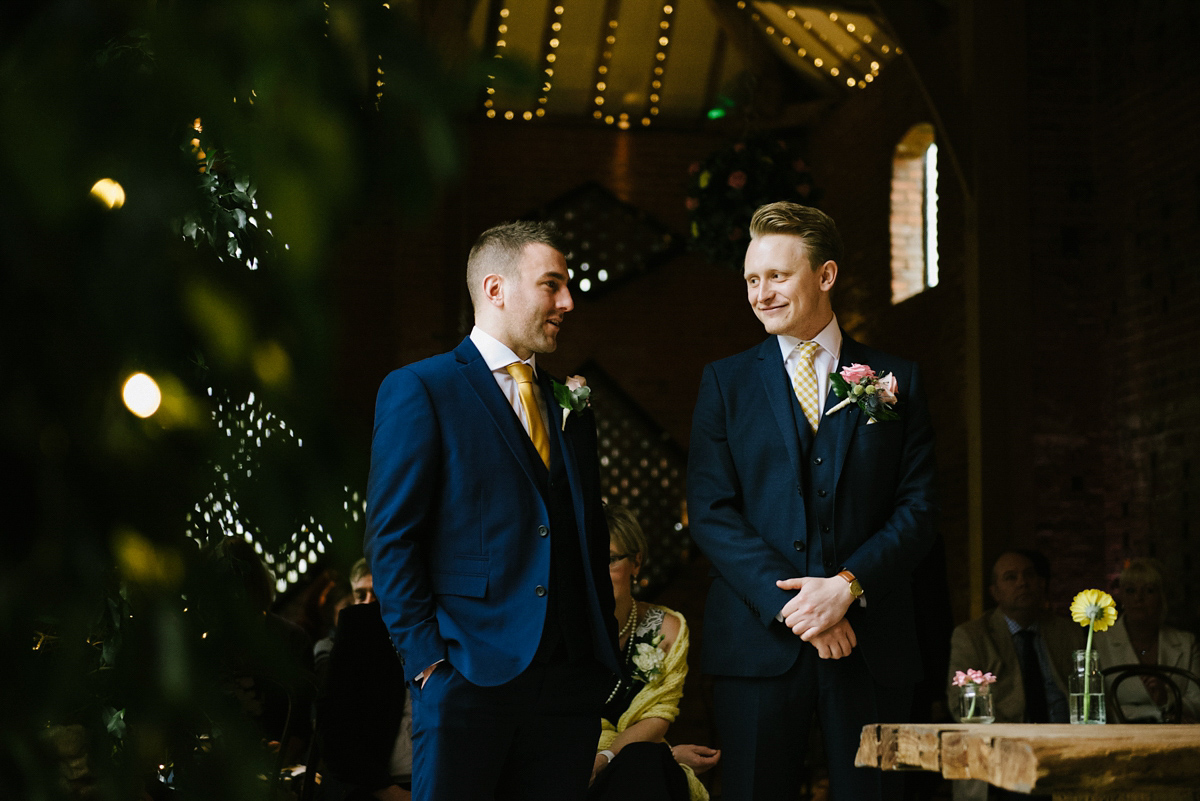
[573, 396]
[648, 660]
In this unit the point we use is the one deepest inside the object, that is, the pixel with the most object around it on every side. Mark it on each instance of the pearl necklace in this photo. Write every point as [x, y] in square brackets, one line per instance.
[627, 628]
[629, 624]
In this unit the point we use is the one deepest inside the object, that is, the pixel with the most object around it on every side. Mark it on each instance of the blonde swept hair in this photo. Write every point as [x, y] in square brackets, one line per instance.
[816, 228]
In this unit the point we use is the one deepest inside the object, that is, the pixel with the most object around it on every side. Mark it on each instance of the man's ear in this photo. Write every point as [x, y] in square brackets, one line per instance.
[493, 289]
[992, 592]
[829, 271]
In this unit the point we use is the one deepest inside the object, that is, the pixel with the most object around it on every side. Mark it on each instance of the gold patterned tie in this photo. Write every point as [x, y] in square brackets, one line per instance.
[523, 374]
[804, 382]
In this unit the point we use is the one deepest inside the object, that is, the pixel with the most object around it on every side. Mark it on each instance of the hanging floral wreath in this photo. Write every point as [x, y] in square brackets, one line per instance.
[725, 189]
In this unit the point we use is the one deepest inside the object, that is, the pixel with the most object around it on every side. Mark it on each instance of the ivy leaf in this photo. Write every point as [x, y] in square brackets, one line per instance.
[114, 722]
[241, 218]
[840, 387]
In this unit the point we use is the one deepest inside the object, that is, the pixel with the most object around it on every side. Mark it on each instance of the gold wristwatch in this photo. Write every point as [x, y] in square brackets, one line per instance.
[855, 588]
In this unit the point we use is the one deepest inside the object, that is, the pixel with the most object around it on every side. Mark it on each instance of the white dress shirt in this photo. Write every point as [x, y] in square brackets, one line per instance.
[498, 357]
[825, 360]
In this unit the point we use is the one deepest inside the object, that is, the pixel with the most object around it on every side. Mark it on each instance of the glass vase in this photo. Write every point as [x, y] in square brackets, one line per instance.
[1086, 689]
[976, 704]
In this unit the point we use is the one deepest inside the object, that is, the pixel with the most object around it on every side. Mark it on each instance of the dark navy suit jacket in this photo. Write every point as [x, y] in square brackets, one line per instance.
[762, 492]
[457, 531]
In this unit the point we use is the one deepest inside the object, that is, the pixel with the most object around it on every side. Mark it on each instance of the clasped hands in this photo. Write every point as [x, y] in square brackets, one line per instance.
[817, 614]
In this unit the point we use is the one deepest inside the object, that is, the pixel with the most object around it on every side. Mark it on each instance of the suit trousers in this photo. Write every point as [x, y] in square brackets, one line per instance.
[532, 738]
[764, 728]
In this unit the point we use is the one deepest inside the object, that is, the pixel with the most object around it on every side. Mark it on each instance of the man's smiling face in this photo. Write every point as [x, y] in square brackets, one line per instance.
[788, 296]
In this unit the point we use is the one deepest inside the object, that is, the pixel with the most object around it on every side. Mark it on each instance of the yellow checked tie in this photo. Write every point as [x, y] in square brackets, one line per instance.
[804, 382]
[523, 374]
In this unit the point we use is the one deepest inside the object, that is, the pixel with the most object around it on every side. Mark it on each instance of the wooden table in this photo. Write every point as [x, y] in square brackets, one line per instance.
[1079, 763]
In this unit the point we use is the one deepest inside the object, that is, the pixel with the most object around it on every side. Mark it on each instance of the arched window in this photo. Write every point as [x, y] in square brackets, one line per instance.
[914, 213]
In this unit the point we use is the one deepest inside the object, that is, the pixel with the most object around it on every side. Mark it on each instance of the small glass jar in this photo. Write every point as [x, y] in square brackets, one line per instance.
[1086, 689]
[976, 704]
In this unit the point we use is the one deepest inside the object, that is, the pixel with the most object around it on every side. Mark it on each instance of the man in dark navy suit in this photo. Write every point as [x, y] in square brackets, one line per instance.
[488, 543]
[814, 520]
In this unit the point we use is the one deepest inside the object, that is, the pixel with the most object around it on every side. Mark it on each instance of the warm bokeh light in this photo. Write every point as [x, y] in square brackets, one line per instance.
[109, 192]
[141, 395]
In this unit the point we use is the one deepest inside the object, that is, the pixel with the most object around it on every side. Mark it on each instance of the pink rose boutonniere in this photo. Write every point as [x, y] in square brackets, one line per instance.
[573, 396]
[875, 395]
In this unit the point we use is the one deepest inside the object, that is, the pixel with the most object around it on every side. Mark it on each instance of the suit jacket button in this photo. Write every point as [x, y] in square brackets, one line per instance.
[798, 545]
[800, 488]
[821, 493]
[818, 460]
[829, 564]
[825, 529]
[543, 531]
[540, 590]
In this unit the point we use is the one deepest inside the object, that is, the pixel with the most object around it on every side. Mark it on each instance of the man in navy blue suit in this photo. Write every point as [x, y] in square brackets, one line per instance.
[488, 543]
[814, 520]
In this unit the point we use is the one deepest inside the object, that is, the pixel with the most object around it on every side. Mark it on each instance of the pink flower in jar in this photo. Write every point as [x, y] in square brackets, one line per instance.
[693, 168]
[739, 147]
[799, 166]
[857, 372]
[737, 179]
[692, 203]
[803, 190]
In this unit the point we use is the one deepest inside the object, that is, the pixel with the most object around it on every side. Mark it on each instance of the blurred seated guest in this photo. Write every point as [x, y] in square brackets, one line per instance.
[1028, 650]
[364, 715]
[633, 761]
[265, 660]
[1140, 637]
[338, 597]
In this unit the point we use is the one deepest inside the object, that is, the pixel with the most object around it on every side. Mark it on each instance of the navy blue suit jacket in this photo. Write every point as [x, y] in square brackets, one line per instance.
[456, 525]
[747, 508]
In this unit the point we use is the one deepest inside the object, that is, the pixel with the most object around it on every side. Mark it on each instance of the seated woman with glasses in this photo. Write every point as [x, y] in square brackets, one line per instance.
[633, 760]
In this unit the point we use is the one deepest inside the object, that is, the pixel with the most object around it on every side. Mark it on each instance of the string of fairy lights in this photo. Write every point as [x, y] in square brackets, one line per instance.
[866, 73]
[549, 55]
[604, 54]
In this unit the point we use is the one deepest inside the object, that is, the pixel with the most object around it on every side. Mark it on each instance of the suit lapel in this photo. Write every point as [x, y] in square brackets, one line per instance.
[554, 428]
[475, 370]
[844, 422]
[780, 396]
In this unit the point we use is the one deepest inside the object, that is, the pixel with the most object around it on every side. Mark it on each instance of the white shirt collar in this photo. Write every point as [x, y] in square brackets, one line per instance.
[495, 353]
[829, 339]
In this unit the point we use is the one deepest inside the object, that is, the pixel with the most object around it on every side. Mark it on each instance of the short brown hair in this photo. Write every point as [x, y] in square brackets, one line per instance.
[815, 227]
[499, 248]
[625, 531]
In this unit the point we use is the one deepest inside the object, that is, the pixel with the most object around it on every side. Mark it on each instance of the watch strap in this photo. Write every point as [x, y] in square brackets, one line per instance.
[856, 588]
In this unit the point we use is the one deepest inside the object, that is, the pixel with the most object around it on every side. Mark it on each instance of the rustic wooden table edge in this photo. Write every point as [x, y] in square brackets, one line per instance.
[1085, 762]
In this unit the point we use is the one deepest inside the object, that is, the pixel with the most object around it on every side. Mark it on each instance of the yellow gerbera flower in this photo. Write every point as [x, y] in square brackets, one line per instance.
[1094, 608]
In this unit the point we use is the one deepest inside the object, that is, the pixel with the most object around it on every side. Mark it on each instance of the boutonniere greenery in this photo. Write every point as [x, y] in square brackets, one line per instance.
[875, 395]
[648, 659]
[573, 396]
